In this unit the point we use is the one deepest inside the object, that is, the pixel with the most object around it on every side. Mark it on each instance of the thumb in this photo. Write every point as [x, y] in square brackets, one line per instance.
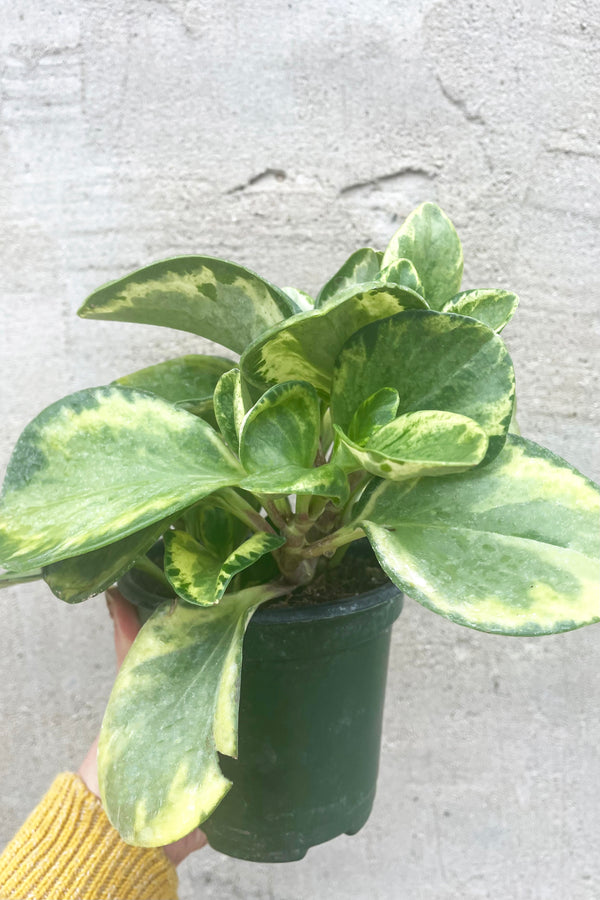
[178, 851]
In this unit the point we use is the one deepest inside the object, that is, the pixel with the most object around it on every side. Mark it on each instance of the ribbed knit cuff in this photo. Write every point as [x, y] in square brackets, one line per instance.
[68, 850]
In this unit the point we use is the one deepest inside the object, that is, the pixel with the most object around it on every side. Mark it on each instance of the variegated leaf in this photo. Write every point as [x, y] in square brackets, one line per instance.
[218, 530]
[190, 569]
[173, 706]
[493, 307]
[305, 347]
[402, 271]
[282, 428]
[428, 238]
[211, 297]
[428, 442]
[373, 413]
[511, 548]
[81, 577]
[435, 361]
[189, 381]
[244, 556]
[361, 267]
[9, 579]
[230, 406]
[302, 300]
[514, 425]
[326, 481]
[200, 578]
[100, 465]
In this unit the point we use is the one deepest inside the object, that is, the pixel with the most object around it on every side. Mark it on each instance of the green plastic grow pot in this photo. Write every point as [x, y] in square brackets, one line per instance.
[311, 707]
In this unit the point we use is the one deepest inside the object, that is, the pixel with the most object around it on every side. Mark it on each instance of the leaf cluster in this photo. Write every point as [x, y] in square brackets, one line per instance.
[382, 408]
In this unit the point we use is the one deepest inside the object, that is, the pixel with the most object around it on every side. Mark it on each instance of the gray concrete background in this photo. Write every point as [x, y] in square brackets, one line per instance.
[284, 135]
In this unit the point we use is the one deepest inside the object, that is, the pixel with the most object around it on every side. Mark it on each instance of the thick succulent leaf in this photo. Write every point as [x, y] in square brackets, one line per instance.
[326, 481]
[511, 548]
[428, 442]
[428, 238]
[199, 406]
[264, 571]
[372, 414]
[230, 406]
[244, 556]
[493, 307]
[191, 570]
[302, 300]
[100, 465]
[435, 361]
[360, 268]
[217, 299]
[81, 577]
[282, 428]
[402, 271]
[305, 347]
[200, 578]
[9, 579]
[218, 530]
[189, 381]
[173, 706]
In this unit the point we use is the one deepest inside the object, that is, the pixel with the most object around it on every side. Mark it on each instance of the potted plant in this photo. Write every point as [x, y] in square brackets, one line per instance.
[383, 409]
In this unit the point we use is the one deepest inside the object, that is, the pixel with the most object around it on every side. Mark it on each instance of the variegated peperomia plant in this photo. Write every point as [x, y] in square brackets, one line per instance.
[383, 408]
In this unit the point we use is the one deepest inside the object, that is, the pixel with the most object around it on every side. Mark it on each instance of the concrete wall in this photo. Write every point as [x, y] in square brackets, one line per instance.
[283, 135]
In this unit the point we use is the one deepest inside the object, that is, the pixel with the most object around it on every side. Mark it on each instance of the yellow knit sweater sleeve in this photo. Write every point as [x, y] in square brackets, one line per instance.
[68, 850]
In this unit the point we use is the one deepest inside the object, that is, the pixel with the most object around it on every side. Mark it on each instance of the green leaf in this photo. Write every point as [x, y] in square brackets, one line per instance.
[218, 530]
[514, 425]
[230, 407]
[494, 308]
[326, 481]
[81, 577]
[305, 347]
[402, 271]
[512, 548]
[435, 361]
[244, 556]
[282, 428]
[263, 571]
[428, 238]
[189, 381]
[302, 300]
[199, 577]
[373, 413]
[10, 579]
[100, 465]
[211, 297]
[173, 706]
[361, 267]
[190, 569]
[428, 442]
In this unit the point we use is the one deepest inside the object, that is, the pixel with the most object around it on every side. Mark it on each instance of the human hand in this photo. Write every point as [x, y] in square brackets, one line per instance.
[127, 625]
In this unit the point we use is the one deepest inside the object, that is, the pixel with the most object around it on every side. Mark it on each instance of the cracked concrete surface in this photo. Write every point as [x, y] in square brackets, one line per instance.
[284, 136]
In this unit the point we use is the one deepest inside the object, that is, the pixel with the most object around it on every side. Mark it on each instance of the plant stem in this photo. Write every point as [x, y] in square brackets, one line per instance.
[326, 432]
[303, 505]
[282, 504]
[237, 506]
[357, 489]
[327, 545]
[317, 506]
[273, 511]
